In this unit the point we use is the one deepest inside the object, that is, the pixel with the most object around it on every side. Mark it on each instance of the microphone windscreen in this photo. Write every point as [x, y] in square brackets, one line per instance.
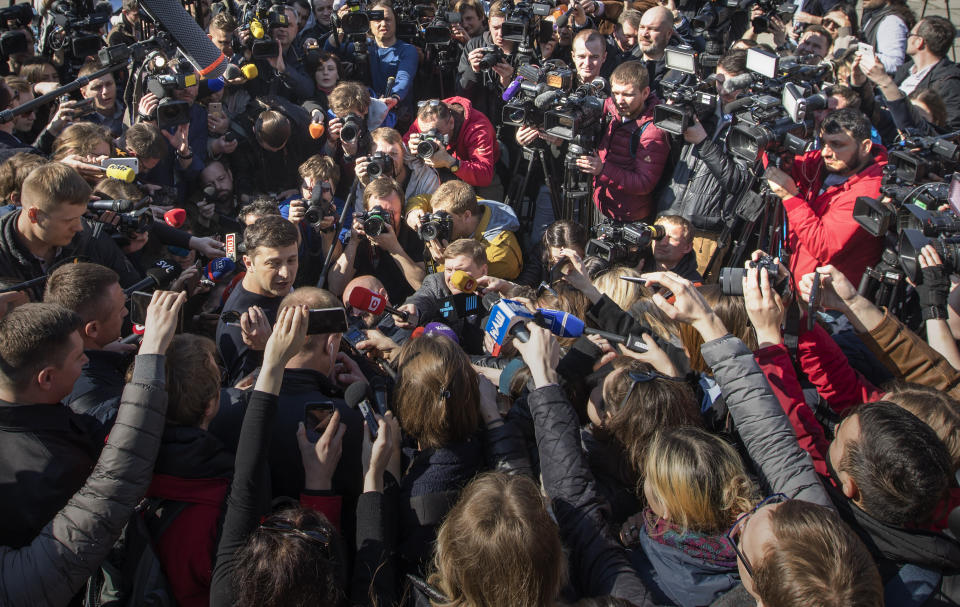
[418, 332]
[175, 217]
[121, 172]
[214, 85]
[164, 275]
[250, 71]
[199, 49]
[232, 71]
[545, 100]
[316, 130]
[220, 267]
[355, 393]
[438, 328]
[367, 300]
[463, 281]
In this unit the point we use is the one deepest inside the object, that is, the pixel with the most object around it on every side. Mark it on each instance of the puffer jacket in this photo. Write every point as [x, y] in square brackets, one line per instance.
[623, 189]
[56, 564]
[476, 146]
[822, 229]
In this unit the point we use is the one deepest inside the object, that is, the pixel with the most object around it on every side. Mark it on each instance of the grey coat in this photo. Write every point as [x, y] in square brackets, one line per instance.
[56, 564]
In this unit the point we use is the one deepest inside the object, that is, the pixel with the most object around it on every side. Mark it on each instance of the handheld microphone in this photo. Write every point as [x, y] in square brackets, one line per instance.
[547, 99]
[738, 83]
[121, 172]
[200, 51]
[368, 301]
[390, 82]
[737, 104]
[117, 206]
[507, 317]
[564, 324]
[316, 127]
[175, 217]
[463, 281]
[159, 276]
[249, 71]
[356, 397]
[562, 19]
[220, 268]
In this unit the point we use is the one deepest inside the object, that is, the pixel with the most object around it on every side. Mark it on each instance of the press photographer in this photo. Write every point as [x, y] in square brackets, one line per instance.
[390, 158]
[486, 67]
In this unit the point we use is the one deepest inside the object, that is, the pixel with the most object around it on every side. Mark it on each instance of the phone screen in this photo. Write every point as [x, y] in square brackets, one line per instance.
[215, 107]
[139, 302]
[327, 320]
[317, 415]
[953, 198]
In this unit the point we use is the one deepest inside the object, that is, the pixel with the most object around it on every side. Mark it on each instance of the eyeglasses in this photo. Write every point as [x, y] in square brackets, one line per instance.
[737, 529]
[637, 377]
[316, 536]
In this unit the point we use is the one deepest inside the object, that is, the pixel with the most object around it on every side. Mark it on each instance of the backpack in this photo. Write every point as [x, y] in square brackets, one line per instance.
[131, 575]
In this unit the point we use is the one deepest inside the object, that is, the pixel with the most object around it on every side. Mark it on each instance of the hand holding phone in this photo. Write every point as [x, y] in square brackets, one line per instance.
[814, 303]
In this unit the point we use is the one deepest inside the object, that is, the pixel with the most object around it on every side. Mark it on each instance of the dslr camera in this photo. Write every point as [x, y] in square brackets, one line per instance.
[436, 226]
[731, 279]
[431, 142]
[381, 165]
[492, 55]
[375, 221]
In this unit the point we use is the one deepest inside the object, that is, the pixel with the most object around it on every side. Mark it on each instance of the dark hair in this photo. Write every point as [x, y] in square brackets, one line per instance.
[564, 233]
[631, 72]
[31, 69]
[260, 206]
[821, 31]
[816, 559]
[33, 336]
[272, 128]
[899, 464]
[193, 378]
[937, 34]
[851, 96]
[936, 409]
[80, 288]
[851, 12]
[734, 62]
[847, 120]
[145, 141]
[903, 11]
[934, 104]
[15, 170]
[271, 231]
[279, 568]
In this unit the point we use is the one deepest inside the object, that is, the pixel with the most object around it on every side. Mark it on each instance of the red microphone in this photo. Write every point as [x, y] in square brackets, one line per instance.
[368, 301]
[175, 217]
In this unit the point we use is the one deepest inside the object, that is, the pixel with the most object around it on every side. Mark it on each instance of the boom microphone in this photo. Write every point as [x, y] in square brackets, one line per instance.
[159, 276]
[368, 301]
[198, 48]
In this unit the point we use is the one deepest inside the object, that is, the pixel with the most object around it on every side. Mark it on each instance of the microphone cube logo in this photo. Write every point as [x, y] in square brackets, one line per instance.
[231, 246]
[374, 303]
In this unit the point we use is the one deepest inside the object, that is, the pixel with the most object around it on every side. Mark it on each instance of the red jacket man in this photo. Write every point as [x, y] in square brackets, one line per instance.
[470, 152]
[819, 198]
[632, 152]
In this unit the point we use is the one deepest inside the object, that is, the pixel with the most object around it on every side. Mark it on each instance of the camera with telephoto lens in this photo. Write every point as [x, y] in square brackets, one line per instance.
[438, 31]
[353, 127]
[615, 242]
[731, 279]
[375, 221]
[782, 10]
[357, 21]
[436, 226]
[430, 143]
[380, 165]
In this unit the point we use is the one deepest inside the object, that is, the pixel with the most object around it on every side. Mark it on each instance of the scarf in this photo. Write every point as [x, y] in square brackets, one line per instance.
[713, 549]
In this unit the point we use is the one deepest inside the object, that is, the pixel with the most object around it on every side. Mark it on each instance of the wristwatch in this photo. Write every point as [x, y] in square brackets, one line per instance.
[455, 166]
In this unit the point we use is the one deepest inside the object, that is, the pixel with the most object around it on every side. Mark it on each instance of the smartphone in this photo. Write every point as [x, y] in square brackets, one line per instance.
[865, 49]
[327, 320]
[214, 107]
[133, 163]
[139, 302]
[84, 107]
[814, 302]
[953, 197]
[316, 415]
[368, 417]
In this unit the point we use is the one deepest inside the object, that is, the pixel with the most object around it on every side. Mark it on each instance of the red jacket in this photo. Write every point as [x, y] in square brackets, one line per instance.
[822, 229]
[623, 190]
[476, 146]
[187, 547]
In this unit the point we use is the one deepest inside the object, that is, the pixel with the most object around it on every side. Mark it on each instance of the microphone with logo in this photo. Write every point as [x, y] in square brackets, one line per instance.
[368, 301]
[158, 277]
[217, 270]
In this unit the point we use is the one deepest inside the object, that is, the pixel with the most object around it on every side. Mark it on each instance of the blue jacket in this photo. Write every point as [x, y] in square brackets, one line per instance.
[687, 581]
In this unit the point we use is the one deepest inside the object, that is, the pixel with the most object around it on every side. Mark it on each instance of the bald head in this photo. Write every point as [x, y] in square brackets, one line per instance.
[656, 28]
[364, 282]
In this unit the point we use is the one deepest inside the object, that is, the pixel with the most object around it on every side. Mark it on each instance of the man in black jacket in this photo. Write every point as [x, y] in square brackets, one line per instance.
[929, 68]
[93, 293]
[50, 228]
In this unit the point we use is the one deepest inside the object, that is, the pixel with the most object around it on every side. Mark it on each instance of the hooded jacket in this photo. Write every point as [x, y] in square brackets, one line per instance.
[631, 170]
[822, 229]
[476, 146]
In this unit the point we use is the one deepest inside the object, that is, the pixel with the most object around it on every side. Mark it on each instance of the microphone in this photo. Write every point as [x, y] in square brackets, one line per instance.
[175, 217]
[547, 99]
[390, 82]
[117, 206]
[250, 71]
[438, 328]
[737, 105]
[316, 127]
[368, 301]
[562, 19]
[121, 172]
[356, 398]
[159, 276]
[463, 281]
[564, 324]
[512, 89]
[738, 83]
[198, 48]
[507, 317]
[220, 268]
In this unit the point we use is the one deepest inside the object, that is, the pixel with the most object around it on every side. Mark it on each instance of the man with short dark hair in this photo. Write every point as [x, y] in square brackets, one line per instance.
[271, 262]
[94, 294]
[819, 197]
[928, 66]
[674, 252]
[106, 103]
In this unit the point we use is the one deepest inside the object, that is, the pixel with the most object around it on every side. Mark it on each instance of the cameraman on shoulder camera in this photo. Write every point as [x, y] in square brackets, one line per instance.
[632, 153]
[381, 244]
[452, 135]
[819, 198]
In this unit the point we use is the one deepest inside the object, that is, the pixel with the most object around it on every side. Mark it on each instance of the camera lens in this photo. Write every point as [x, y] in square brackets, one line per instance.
[373, 226]
[374, 170]
[426, 149]
[731, 281]
[350, 132]
[428, 231]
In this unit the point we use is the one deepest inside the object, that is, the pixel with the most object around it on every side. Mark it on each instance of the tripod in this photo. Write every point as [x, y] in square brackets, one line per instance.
[516, 190]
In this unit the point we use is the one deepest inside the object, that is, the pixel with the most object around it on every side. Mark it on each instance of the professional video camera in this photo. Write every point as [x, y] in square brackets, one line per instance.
[576, 114]
[70, 30]
[685, 100]
[772, 8]
[357, 21]
[878, 215]
[917, 157]
[804, 69]
[437, 31]
[616, 242]
[436, 226]
[260, 18]
[534, 90]
[765, 126]
[375, 221]
[381, 165]
[523, 21]
[120, 215]
[731, 279]
[163, 80]
[18, 15]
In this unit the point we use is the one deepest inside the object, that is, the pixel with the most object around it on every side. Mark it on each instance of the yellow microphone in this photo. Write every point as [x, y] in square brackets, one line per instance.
[250, 71]
[463, 281]
[256, 29]
[121, 172]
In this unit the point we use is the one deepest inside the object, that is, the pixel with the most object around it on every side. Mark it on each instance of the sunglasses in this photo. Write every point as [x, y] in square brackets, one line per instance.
[733, 535]
[311, 535]
[637, 377]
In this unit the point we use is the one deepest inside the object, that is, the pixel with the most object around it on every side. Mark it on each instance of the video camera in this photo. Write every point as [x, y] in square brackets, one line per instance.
[163, 80]
[357, 21]
[260, 18]
[772, 8]
[533, 91]
[686, 100]
[523, 21]
[918, 157]
[616, 242]
[120, 216]
[71, 30]
[436, 226]
[577, 114]
[764, 126]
